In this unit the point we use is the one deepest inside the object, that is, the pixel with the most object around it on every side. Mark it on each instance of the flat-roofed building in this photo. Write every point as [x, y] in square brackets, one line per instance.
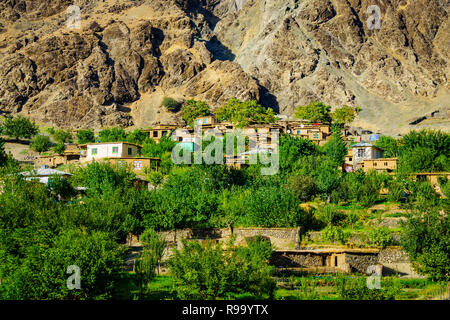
[96, 151]
[381, 165]
[318, 133]
[364, 151]
[162, 130]
[138, 164]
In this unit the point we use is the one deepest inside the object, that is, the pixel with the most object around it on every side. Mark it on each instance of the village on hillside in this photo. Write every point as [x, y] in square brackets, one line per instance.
[341, 202]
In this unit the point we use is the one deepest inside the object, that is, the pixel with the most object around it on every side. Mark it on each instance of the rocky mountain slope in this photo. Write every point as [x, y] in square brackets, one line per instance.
[128, 55]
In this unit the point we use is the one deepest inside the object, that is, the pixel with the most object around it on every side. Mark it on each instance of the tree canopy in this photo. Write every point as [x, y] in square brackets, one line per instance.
[243, 113]
[314, 112]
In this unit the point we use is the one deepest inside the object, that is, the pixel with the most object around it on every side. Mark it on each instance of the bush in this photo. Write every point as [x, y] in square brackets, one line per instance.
[303, 187]
[380, 237]
[357, 289]
[335, 234]
[329, 215]
[210, 271]
[171, 104]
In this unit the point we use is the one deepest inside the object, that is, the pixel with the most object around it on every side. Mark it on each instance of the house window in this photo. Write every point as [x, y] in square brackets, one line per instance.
[94, 151]
[205, 121]
[375, 164]
[361, 153]
[155, 134]
[164, 133]
[115, 150]
[299, 132]
[138, 165]
[130, 151]
[316, 135]
[199, 121]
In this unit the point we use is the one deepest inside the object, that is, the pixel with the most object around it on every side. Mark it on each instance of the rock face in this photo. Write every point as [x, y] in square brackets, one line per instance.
[126, 57]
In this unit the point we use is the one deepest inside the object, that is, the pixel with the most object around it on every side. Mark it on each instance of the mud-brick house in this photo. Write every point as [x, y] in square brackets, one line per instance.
[71, 155]
[318, 133]
[206, 122]
[364, 151]
[137, 165]
[162, 130]
[387, 165]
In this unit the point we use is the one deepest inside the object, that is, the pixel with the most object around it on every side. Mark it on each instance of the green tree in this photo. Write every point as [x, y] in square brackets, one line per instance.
[389, 146]
[426, 239]
[336, 150]
[137, 136]
[154, 244]
[344, 115]
[211, 271]
[304, 187]
[314, 112]
[193, 109]
[61, 186]
[145, 270]
[59, 148]
[41, 144]
[62, 136]
[243, 113]
[19, 127]
[112, 135]
[85, 136]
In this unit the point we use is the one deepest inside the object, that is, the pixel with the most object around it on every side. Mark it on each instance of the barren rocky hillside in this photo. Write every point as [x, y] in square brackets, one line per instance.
[128, 55]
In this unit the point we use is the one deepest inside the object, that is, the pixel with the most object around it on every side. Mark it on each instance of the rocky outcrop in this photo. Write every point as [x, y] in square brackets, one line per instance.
[126, 57]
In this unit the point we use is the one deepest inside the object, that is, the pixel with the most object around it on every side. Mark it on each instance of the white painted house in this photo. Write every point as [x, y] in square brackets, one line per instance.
[97, 151]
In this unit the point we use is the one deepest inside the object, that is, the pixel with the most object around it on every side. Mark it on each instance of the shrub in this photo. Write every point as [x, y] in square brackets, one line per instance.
[59, 148]
[380, 237]
[357, 289]
[335, 234]
[329, 215]
[171, 104]
[303, 187]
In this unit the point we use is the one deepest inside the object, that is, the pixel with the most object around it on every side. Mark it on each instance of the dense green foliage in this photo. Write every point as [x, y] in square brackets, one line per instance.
[39, 222]
[211, 271]
[343, 115]
[314, 112]
[19, 127]
[193, 109]
[85, 136]
[243, 113]
[427, 241]
[40, 144]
